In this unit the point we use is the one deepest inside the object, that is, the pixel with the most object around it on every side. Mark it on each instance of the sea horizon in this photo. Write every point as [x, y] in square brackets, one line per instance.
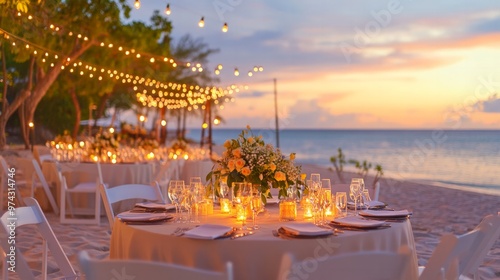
[467, 159]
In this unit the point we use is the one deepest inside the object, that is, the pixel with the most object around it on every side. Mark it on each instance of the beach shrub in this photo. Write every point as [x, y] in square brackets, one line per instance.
[363, 167]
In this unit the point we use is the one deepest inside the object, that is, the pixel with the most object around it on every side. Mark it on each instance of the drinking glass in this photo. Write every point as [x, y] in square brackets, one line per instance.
[341, 202]
[256, 205]
[354, 194]
[365, 197]
[241, 198]
[175, 193]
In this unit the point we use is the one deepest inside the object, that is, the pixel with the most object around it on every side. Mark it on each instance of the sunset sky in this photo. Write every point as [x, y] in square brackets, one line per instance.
[352, 64]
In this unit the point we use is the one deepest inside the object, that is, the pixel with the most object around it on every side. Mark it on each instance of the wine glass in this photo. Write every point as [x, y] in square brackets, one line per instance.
[256, 205]
[241, 199]
[175, 194]
[355, 189]
[341, 202]
[365, 197]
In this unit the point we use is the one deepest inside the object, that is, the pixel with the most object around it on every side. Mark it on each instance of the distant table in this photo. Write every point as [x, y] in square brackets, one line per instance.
[113, 174]
[256, 256]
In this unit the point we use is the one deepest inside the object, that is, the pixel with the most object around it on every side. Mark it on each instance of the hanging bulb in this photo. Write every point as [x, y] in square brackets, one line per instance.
[250, 74]
[236, 72]
[201, 23]
[167, 10]
[224, 28]
[137, 4]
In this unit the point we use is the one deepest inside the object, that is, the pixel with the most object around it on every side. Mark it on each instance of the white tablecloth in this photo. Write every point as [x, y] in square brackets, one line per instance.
[256, 256]
[113, 175]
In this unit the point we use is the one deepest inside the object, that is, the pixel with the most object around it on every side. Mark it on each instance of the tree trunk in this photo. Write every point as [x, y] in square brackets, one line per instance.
[178, 125]
[184, 117]
[45, 80]
[78, 112]
[102, 107]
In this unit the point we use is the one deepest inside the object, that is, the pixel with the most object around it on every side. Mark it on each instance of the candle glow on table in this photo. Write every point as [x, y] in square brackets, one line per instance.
[241, 213]
[288, 210]
[225, 207]
[308, 209]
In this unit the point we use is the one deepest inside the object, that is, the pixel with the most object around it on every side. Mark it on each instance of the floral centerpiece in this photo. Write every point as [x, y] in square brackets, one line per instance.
[103, 142]
[249, 159]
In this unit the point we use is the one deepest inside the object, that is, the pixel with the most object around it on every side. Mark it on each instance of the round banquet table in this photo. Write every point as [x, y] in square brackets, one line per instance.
[254, 256]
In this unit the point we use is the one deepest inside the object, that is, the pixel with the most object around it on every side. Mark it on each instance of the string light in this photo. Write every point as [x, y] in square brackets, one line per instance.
[201, 23]
[137, 4]
[224, 27]
[167, 10]
[236, 72]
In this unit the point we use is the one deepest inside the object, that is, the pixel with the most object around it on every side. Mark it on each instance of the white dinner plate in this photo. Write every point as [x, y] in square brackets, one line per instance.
[208, 231]
[358, 222]
[385, 213]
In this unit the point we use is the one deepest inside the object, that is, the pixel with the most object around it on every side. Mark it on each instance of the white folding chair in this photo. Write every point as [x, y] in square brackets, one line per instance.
[8, 173]
[139, 269]
[454, 253]
[373, 265]
[125, 192]
[32, 215]
[31, 167]
[477, 256]
[79, 216]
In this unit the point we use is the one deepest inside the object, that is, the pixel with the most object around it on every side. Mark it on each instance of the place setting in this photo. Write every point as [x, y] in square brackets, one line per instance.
[146, 218]
[302, 231]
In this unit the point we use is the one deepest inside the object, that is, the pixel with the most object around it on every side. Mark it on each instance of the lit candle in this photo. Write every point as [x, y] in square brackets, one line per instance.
[308, 211]
[241, 213]
[288, 210]
[224, 205]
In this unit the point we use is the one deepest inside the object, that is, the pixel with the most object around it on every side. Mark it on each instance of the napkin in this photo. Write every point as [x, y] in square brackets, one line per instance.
[353, 221]
[129, 216]
[207, 231]
[385, 213]
[376, 204]
[155, 205]
[307, 229]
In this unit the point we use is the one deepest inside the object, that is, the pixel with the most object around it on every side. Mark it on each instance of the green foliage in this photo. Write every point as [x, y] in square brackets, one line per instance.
[363, 167]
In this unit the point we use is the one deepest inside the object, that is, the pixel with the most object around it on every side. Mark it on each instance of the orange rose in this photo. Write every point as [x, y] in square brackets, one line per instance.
[272, 166]
[279, 176]
[231, 165]
[239, 164]
[227, 144]
[237, 153]
[245, 171]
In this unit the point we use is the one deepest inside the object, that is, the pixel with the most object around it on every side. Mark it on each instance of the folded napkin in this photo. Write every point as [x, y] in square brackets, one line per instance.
[376, 204]
[155, 205]
[272, 200]
[130, 216]
[208, 231]
[385, 213]
[358, 222]
[307, 229]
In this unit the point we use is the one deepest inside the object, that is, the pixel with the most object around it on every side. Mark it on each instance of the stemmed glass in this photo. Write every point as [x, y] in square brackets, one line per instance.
[241, 199]
[341, 201]
[197, 194]
[256, 205]
[175, 194]
[354, 194]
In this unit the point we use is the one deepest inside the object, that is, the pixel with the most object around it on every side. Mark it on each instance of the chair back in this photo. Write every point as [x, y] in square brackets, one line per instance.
[31, 166]
[32, 215]
[138, 269]
[374, 265]
[490, 225]
[125, 192]
[452, 253]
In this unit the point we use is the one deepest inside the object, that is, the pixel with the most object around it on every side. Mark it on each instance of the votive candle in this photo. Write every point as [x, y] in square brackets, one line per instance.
[225, 207]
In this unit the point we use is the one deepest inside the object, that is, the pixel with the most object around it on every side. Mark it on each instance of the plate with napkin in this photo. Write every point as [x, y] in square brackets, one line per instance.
[130, 216]
[358, 222]
[154, 205]
[385, 214]
[209, 231]
[304, 230]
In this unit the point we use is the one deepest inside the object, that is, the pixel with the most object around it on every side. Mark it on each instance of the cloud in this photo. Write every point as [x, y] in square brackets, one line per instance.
[492, 105]
[253, 94]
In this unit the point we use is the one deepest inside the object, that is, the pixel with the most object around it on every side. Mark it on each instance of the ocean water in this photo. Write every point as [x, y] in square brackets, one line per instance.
[465, 159]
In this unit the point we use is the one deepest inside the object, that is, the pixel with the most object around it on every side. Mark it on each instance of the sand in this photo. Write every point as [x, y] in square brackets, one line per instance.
[436, 211]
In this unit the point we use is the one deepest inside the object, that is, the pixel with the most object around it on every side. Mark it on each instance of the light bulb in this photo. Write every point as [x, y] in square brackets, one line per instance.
[236, 72]
[224, 28]
[167, 10]
[137, 4]
[202, 22]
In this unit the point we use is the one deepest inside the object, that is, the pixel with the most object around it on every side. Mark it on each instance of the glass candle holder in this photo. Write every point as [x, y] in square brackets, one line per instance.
[225, 206]
[288, 210]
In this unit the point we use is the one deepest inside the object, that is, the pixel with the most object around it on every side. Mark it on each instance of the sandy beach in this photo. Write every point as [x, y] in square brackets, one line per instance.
[436, 211]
